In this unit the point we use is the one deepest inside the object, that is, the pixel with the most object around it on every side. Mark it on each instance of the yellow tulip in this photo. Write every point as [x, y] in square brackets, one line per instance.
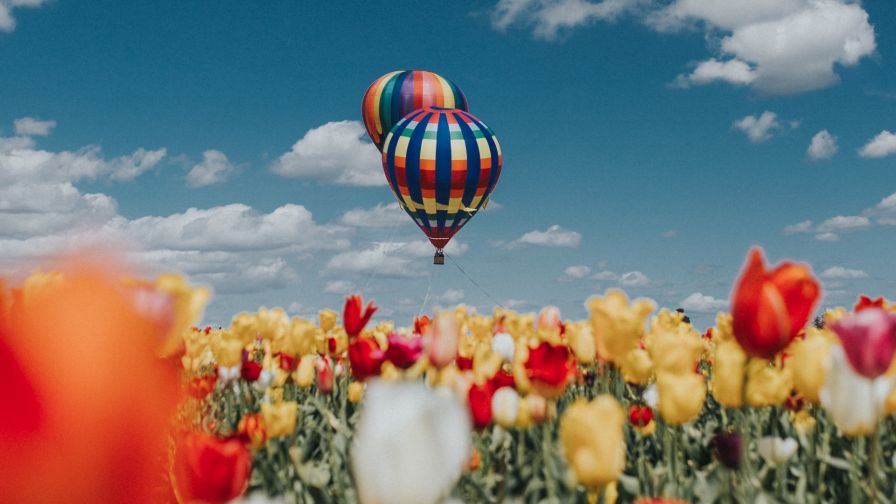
[637, 367]
[681, 396]
[616, 324]
[243, 326]
[596, 456]
[728, 374]
[767, 384]
[327, 319]
[803, 422]
[674, 345]
[581, 342]
[808, 362]
[303, 376]
[280, 419]
[228, 351]
[355, 392]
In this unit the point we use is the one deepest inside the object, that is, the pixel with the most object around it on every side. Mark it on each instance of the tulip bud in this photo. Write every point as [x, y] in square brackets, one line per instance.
[537, 407]
[505, 406]
[304, 374]
[280, 419]
[503, 345]
[775, 451]
[327, 319]
[442, 348]
[355, 392]
[324, 375]
[728, 449]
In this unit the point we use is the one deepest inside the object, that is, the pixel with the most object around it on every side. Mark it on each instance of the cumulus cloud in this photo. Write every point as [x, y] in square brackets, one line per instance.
[554, 236]
[214, 168]
[398, 259]
[380, 216]
[29, 126]
[881, 214]
[450, 297]
[732, 71]
[758, 128]
[577, 272]
[634, 279]
[547, 18]
[777, 46]
[130, 167]
[337, 152]
[882, 145]
[823, 146]
[7, 22]
[701, 303]
[842, 273]
[605, 275]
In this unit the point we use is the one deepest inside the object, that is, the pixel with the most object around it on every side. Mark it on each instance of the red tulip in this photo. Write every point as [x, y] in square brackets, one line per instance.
[201, 386]
[403, 352]
[869, 340]
[422, 325]
[866, 302]
[209, 469]
[549, 367]
[502, 379]
[250, 370]
[288, 362]
[769, 308]
[365, 357]
[464, 363]
[640, 415]
[480, 402]
[324, 375]
[353, 319]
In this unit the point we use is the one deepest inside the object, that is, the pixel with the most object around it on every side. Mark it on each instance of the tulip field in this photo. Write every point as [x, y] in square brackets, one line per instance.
[776, 402]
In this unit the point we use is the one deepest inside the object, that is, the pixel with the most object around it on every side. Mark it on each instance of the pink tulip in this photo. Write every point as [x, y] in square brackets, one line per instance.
[869, 340]
[442, 348]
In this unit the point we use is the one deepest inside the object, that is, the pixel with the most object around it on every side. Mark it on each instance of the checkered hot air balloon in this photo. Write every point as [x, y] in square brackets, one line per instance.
[442, 164]
[397, 94]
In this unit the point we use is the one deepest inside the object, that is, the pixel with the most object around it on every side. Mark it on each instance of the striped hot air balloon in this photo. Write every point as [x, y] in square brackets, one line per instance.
[397, 94]
[442, 164]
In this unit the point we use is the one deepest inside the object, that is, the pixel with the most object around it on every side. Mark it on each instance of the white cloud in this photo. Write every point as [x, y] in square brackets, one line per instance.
[554, 236]
[577, 272]
[7, 22]
[548, 17]
[634, 279]
[732, 71]
[380, 216]
[823, 146]
[130, 167]
[342, 287]
[883, 145]
[842, 273]
[450, 297]
[844, 223]
[884, 213]
[758, 129]
[606, 275]
[827, 237]
[235, 227]
[788, 46]
[392, 259]
[701, 303]
[29, 126]
[800, 227]
[214, 168]
[337, 152]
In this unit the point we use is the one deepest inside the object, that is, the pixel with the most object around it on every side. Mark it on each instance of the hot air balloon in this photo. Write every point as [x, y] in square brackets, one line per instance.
[442, 165]
[397, 94]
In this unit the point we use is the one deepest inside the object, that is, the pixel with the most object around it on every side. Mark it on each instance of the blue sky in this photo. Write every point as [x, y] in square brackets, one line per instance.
[647, 145]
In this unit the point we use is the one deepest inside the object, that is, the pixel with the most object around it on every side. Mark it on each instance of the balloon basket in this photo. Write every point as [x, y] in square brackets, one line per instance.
[439, 258]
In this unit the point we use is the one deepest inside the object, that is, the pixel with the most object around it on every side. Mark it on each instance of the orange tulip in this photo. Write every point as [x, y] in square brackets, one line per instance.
[769, 308]
[211, 470]
[86, 402]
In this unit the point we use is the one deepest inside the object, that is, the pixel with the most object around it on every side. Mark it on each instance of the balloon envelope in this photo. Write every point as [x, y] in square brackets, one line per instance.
[397, 94]
[442, 164]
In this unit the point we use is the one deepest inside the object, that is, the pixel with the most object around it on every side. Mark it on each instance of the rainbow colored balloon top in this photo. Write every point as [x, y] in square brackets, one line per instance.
[442, 165]
[397, 94]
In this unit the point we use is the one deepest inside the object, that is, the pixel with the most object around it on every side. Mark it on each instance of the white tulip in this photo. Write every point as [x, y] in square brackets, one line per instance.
[503, 345]
[259, 497]
[775, 450]
[410, 444]
[228, 375]
[853, 401]
[651, 396]
[505, 406]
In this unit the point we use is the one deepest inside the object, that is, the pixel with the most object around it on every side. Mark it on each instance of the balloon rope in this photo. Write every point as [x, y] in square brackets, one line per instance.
[493, 300]
[376, 271]
[425, 298]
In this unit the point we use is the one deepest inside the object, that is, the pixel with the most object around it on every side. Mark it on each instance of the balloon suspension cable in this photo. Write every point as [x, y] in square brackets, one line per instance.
[489, 296]
[376, 271]
[426, 297]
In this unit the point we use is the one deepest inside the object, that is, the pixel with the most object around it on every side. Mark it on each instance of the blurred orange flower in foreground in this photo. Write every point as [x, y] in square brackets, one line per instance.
[86, 402]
